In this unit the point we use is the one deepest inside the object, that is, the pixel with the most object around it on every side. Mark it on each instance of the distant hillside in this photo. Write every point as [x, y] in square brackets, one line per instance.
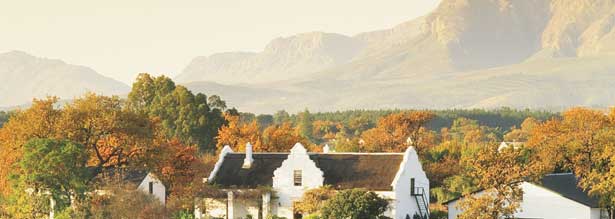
[24, 77]
[283, 58]
[466, 53]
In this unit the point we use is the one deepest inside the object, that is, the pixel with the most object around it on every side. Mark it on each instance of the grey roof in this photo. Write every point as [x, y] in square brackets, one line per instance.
[132, 176]
[342, 171]
[566, 184]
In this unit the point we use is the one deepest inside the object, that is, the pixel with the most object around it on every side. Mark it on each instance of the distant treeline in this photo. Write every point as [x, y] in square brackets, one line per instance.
[503, 118]
[4, 116]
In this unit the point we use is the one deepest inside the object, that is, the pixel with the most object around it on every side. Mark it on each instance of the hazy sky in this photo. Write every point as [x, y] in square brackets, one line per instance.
[120, 38]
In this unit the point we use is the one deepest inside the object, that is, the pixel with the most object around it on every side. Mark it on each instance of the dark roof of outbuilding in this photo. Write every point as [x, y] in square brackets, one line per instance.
[131, 176]
[342, 171]
[566, 184]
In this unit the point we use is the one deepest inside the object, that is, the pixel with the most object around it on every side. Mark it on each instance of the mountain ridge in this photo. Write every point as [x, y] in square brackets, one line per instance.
[26, 77]
[532, 40]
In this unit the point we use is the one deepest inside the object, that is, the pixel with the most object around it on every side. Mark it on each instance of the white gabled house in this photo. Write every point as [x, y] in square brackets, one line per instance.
[148, 183]
[398, 177]
[557, 196]
[145, 181]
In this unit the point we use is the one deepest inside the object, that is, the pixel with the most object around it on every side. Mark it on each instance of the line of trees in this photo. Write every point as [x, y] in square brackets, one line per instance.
[166, 129]
[66, 152]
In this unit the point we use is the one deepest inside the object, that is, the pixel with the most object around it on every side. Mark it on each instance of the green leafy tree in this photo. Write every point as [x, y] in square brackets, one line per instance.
[51, 168]
[281, 117]
[183, 115]
[304, 125]
[264, 120]
[355, 204]
[4, 117]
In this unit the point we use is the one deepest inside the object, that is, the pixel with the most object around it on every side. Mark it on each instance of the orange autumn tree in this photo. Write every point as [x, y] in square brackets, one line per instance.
[499, 173]
[582, 141]
[112, 135]
[237, 135]
[38, 121]
[179, 168]
[392, 131]
[278, 138]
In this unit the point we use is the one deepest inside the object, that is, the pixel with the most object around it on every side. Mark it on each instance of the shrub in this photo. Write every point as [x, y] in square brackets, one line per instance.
[355, 204]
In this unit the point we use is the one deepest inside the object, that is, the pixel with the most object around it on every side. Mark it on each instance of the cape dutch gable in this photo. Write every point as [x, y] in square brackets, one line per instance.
[398, 177]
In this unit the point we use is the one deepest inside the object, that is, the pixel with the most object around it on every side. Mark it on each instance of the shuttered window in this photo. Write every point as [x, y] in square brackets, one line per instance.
[297, 177]
[151, 187]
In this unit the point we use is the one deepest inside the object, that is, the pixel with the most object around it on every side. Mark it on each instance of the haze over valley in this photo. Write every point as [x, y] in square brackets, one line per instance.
[464, 54]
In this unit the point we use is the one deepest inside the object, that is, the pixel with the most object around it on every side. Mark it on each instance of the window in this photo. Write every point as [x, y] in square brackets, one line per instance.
[297, 177]
[151, 187]
[412, 192]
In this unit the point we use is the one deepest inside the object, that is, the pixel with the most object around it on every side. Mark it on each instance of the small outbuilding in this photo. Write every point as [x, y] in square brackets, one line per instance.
[557, 196]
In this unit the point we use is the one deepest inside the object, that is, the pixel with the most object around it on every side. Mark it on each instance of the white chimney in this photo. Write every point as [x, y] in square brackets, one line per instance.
[247, 162]
[326, 149]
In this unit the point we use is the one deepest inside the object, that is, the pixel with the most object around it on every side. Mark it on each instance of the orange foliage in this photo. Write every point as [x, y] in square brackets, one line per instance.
[238, 135]
[392, 131]
[38, 121]
[279, 138]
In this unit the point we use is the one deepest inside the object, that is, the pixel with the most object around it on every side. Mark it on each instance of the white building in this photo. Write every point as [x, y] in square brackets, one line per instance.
[556, 197]
[145, 181]
[395, 176]
[148, 183]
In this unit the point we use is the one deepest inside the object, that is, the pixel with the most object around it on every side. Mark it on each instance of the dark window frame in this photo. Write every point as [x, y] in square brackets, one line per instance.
[297, 178]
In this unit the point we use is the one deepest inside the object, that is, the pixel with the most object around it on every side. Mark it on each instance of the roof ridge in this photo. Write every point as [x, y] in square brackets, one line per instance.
[333, 153]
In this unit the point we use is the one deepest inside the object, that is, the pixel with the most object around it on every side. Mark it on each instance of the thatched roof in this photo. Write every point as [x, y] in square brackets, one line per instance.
[370, 171]
[342, 171]
[231, 173]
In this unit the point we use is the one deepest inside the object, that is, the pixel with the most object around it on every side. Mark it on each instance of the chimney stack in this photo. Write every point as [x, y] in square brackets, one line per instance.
[247, 162]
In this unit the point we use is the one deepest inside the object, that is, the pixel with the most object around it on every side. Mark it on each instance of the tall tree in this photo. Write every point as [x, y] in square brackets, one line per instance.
[54, 167]
[281, 117]
[304, 125]
[111, 135]
[278, 138]
[264, 120]
[183, 115]
[582, 141]
[38, 121]
[499, 173]
[393, 131]
[238, 135]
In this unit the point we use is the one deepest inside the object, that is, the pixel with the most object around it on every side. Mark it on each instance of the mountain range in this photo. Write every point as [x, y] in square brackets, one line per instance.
[25, 77]
[464, 54]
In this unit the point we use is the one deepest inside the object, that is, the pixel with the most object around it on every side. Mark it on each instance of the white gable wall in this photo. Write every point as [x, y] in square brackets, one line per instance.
[539, 202]
[410, 168]
[159, 190]
[283, 181]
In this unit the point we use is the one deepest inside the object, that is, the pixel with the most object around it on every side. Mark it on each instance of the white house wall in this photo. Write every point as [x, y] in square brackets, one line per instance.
[536, 201]
[243, 208]
[159, 190]
[389, 195]
[283, 181]
[541, 203]
[405, 204]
